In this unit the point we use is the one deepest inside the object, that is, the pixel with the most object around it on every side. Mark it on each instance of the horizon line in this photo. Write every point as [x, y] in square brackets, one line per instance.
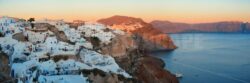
[41, 18]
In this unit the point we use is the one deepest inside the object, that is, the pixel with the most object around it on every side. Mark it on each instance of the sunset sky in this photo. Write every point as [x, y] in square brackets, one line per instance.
[189, 11]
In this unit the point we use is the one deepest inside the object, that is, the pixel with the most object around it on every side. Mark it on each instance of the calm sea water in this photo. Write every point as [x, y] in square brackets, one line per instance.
[210, 58]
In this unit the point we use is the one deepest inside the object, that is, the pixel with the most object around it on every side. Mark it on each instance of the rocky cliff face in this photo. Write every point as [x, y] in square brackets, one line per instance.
[153, 71]
[140, 65]
[119, 46]
[170, 27]
[141, 36]
[151, 38]
[4, 68]
[145, 68]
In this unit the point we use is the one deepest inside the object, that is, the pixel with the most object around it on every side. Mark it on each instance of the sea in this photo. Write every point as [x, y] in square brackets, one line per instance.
[209, 57]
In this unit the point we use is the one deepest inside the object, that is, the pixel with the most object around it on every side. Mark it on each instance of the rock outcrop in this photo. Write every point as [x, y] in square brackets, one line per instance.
[152, 39]
[4, 68]
[136, 61]
[225, 27]
[119, 46]
[153, 71]
[98, 76]
[146, 69]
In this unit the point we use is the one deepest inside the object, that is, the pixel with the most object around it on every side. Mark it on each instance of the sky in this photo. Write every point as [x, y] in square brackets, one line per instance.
[189, 11]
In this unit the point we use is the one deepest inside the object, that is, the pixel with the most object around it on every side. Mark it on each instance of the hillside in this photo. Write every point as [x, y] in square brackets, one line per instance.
[53, 51]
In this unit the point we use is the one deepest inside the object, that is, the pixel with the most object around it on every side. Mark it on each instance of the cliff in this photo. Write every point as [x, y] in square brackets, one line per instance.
[149, 37]
[225, 27]
[140, 36]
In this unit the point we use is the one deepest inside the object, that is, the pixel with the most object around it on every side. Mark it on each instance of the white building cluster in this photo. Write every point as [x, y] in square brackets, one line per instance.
[10, 25]
[35, 58]
[128, 27]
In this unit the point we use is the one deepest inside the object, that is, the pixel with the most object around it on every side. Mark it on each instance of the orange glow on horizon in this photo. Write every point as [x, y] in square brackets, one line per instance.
[186, 11]
[70, 18]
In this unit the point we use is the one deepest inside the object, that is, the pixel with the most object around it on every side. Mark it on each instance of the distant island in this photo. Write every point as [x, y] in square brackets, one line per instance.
[215, 27]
